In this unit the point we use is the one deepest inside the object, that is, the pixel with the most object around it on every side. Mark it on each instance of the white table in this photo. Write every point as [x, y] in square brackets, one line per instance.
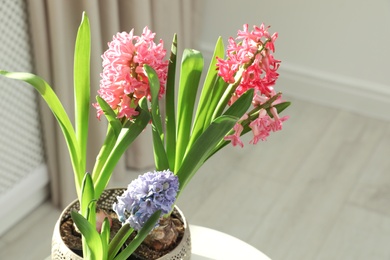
[209, 244]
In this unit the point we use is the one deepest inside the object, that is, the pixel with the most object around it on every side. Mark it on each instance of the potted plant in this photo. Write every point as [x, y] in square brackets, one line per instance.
[237, 97]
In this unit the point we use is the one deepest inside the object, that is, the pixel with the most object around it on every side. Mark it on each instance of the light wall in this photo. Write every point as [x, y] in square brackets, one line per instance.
[333, 52]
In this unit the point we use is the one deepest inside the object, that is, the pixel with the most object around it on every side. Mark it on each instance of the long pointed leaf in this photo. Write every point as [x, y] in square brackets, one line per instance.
[87, 205]
[110, 115]
[191, 69]
[119, 239]
[105, 150]
[206, 97]
[238, 109]
[87, 193]
[127, 136]
[113, 131]
[160, 156]
[282, 106]
[145, 230]
[170, 121]
[203, 146]
[218, 91]
[59, 113]
[211, 76]
[154, 92]
[161, 159]
[82, 87]
[90, 234]
[105, 236]
[241, 105]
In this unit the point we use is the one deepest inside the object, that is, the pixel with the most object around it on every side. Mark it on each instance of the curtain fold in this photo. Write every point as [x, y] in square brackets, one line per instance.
[53, 26]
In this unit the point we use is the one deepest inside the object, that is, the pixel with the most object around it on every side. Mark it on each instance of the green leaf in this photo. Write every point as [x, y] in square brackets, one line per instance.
[212, 73]
[202, 147]
[160, 156]
[218, 91]
[82, 87]
[145, 230]
[119, 239]
[206, 98]
[227, 94]
[170, 121]
[238, 109]
[161, 159]
[105, 236]
[191, 69]
[111, 116]
[282, 106]
[241, 105]
[87, 193]
[105, 151]
[90, 216]
[90, 234]
[59, 113]
[154, 92]
[126, 137]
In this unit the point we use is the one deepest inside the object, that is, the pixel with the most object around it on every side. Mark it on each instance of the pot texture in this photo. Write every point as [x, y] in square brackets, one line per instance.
[60, 250]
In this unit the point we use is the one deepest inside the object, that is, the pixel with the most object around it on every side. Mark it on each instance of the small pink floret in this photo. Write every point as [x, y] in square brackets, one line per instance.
[235, 138]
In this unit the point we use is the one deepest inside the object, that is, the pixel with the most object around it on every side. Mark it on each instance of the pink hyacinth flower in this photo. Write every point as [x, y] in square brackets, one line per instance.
[253, 53]
[123, 80]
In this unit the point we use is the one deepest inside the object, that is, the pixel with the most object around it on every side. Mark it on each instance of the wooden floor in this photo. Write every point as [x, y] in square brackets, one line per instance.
[320, 189]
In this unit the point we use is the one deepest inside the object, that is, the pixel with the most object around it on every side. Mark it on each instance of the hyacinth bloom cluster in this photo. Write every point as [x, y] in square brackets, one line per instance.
[250, 64]
[253, 56]
[145, 195]
[123, 80]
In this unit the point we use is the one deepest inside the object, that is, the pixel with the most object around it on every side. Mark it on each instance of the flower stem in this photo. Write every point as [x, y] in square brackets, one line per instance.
[227, 95]
[109, 144]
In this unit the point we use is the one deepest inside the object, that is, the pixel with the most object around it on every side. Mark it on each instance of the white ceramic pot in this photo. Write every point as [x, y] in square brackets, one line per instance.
[59, 250]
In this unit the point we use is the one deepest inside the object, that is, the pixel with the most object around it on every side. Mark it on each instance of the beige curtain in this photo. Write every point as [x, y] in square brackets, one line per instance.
[54, 25]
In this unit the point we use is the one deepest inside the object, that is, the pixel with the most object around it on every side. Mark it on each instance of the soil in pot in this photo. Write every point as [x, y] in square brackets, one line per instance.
[171, 228]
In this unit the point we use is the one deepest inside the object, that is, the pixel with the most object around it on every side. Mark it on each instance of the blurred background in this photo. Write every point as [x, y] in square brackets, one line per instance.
[317, 190]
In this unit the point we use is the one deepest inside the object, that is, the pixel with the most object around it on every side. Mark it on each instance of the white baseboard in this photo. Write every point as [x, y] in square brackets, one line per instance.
[23, 198]
[363, 97]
